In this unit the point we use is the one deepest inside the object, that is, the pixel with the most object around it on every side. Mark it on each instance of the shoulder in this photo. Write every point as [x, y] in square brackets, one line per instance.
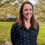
[14, 27]
[37, 27]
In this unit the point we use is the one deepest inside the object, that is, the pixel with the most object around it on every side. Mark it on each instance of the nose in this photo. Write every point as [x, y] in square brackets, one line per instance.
[28, 11]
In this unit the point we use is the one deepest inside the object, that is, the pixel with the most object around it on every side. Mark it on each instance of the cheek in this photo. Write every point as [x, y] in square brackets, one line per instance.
[24, 13]
[31, 12]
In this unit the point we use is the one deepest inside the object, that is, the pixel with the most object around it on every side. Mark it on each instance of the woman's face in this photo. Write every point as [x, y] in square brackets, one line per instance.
[27, 11]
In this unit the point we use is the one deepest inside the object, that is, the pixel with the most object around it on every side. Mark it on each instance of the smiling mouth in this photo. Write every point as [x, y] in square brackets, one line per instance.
[27, 15]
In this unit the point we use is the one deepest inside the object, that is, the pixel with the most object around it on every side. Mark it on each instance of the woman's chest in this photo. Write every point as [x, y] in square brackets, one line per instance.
[27, 33]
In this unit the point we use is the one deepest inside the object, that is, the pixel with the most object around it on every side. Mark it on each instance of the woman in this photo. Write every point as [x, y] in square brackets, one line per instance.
[25, 30]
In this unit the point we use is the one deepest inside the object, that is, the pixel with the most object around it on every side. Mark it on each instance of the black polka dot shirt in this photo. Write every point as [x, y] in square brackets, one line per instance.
[23, 36]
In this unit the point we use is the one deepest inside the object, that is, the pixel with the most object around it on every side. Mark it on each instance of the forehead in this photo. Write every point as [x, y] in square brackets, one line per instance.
[27, 6]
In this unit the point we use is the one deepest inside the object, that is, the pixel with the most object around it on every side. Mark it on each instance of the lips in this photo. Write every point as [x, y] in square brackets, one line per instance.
[27, 15]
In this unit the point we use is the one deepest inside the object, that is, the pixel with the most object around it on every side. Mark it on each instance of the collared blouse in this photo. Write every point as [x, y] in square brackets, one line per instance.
[23, 36]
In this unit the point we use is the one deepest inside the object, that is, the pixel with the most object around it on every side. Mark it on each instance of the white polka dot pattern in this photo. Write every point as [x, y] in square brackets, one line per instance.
[23, 36]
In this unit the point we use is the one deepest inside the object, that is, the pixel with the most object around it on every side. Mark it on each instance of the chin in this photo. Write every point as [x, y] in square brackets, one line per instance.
[28, 17]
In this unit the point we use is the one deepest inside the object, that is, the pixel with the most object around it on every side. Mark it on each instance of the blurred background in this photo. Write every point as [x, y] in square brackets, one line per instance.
[9, 11]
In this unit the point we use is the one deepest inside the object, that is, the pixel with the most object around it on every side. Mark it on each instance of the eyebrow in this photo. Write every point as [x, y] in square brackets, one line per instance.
[27, 8]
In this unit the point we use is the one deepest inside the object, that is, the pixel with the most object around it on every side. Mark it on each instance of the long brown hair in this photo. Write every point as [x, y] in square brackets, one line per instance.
[20, 17]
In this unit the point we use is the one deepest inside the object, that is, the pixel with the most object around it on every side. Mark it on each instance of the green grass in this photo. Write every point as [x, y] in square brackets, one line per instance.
[5, 28]
[41, 34]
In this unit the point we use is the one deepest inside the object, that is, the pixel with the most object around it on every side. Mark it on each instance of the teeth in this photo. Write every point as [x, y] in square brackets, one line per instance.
[27, 15]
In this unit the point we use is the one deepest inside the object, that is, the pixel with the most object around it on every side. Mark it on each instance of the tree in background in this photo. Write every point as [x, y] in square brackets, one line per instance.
[12, 7]
[40, 10]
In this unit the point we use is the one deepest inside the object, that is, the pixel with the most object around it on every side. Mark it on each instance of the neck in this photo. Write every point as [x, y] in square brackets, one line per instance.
[27, 21]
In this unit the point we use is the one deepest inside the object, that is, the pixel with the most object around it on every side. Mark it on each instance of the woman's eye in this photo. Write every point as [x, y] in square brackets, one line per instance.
[26, 10]
[30, 9]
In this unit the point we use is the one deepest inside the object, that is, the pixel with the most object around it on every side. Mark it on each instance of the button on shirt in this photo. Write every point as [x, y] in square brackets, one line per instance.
[23, 36]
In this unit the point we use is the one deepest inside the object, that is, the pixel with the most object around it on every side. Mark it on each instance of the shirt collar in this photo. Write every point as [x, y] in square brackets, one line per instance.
[26, 28]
